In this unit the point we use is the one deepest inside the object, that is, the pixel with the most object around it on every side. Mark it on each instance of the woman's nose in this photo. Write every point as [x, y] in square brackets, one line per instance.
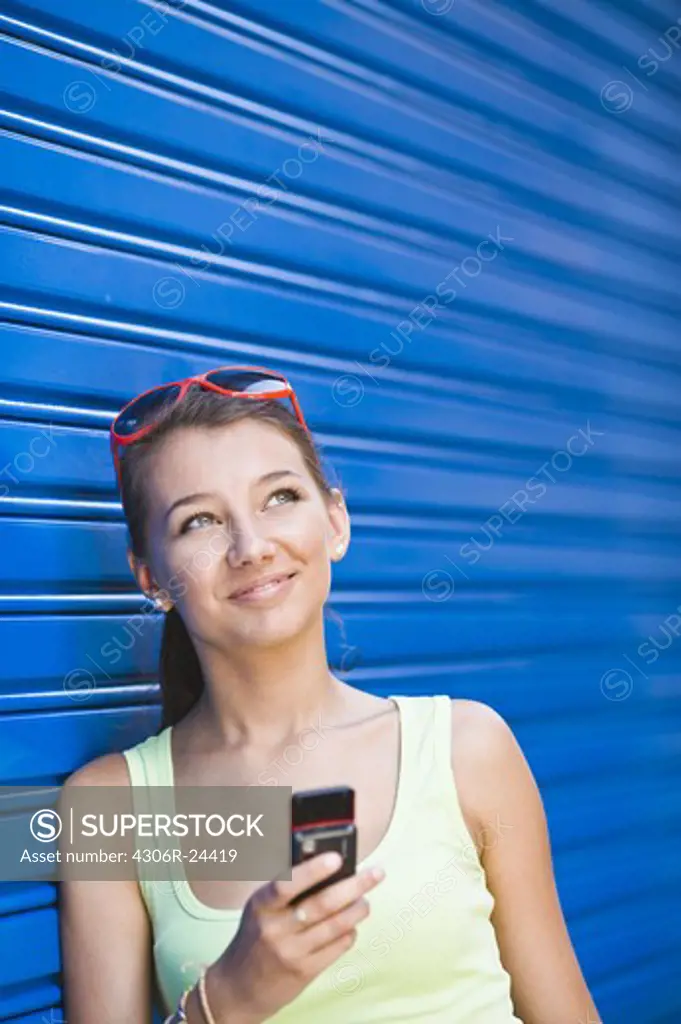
[247, 544]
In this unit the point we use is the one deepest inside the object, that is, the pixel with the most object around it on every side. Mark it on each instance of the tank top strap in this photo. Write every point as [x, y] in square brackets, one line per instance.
[148, 766]
[427, 779]
[425, 755]
[442, 740]
[146, 761]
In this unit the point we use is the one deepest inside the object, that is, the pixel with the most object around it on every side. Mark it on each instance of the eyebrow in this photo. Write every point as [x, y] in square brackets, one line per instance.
[199, 495]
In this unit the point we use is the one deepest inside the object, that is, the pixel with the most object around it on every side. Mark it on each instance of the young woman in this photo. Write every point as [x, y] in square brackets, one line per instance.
[452, 916]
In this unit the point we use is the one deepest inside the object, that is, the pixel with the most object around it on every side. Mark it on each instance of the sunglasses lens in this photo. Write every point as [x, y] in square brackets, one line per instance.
[253, 382]
[144, 409]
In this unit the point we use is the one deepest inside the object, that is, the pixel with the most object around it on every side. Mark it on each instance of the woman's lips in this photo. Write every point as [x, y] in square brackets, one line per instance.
[276, 586]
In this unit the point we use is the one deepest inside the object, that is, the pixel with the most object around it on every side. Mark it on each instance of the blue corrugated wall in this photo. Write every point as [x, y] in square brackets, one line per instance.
[456, 226]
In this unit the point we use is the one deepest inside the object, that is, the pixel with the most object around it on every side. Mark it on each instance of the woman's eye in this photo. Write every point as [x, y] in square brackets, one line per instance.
[194, 519]
[288, 492]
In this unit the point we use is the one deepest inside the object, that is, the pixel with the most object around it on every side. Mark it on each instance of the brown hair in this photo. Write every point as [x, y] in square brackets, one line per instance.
[180, 672]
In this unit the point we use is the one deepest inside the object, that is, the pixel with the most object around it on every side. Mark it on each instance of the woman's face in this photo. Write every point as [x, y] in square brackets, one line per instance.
[227, 507]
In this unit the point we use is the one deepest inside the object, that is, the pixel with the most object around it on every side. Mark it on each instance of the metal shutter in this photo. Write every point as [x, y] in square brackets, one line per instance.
[196, 182]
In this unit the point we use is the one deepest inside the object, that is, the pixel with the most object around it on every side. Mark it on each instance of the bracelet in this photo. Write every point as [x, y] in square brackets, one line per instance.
[180, 1013]
[203, 998]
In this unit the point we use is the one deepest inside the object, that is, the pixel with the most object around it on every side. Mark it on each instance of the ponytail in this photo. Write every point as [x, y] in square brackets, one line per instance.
[180, 671]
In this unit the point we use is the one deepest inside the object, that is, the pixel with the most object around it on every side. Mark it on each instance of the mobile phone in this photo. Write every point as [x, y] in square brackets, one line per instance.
[324, 820]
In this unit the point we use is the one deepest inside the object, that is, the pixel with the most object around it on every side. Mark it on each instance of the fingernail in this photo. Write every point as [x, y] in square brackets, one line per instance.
[333, 860]
[377, 873]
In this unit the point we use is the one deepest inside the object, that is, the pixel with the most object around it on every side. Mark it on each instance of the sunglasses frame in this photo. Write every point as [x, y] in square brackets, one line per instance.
[286, 391]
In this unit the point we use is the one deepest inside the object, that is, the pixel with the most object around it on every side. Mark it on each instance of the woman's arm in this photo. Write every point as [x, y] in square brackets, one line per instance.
[506, 818]
[105, 933]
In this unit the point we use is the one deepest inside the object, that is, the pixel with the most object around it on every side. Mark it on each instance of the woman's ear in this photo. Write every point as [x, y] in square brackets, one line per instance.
[339, 521]
[145, 581]
[141, 572]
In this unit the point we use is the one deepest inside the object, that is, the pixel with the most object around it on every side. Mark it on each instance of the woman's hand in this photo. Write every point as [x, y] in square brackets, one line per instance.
[278, 950]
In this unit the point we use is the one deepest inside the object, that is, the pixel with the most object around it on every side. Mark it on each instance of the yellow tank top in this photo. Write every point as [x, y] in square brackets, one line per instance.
[426, 952]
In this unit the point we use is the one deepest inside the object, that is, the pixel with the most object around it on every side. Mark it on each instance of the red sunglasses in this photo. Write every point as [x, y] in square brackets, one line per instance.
[255, 382]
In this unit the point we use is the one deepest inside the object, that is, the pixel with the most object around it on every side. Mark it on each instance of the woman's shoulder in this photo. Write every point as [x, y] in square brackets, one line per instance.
[114, 769]
[483, 751]
[105, 770]
[482, 739]
[477, 724]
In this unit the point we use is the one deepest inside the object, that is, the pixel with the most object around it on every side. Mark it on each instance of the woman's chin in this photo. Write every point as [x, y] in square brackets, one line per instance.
[269, 630]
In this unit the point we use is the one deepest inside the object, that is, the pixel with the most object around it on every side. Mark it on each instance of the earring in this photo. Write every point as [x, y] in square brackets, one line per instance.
[340, 548]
